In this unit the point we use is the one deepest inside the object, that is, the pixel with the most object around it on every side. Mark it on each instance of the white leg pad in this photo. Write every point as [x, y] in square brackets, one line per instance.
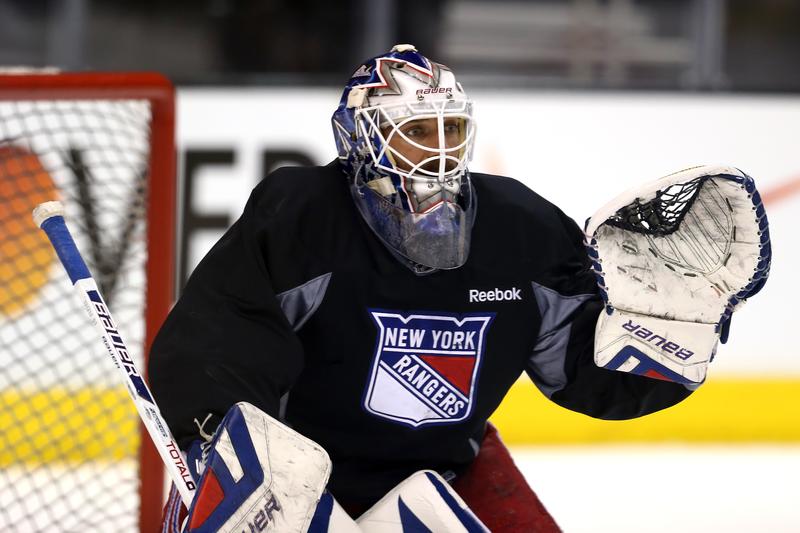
[423, 502]
[331, 518]
[260, 476]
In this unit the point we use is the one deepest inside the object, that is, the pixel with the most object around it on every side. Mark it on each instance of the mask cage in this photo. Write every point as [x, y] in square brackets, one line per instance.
[441, 171]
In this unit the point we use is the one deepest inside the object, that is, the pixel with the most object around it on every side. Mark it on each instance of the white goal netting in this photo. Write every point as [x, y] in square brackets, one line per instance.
[69, 435]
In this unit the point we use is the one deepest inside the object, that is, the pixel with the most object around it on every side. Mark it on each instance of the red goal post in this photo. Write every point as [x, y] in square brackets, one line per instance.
[103, 143]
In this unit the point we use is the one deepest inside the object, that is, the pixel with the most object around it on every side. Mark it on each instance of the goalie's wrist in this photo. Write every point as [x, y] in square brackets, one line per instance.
[655, 347]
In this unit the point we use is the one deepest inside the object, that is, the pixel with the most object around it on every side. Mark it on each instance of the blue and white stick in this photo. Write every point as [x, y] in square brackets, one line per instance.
[50, 217]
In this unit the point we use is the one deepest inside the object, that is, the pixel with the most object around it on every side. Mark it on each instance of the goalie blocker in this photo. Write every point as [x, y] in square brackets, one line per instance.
[674, 259]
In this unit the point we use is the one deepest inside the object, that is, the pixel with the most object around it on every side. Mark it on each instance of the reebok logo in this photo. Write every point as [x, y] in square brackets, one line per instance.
[494, 295]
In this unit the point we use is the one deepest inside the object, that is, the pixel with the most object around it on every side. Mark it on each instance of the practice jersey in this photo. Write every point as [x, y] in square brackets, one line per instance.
[302, 311]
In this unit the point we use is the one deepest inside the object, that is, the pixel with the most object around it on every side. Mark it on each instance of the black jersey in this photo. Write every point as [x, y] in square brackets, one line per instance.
[302, 311]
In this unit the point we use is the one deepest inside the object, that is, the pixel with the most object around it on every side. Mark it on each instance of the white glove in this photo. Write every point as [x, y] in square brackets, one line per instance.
[674, 259]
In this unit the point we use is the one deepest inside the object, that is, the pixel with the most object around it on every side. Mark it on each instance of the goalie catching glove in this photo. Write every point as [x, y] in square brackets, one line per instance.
[674, 259]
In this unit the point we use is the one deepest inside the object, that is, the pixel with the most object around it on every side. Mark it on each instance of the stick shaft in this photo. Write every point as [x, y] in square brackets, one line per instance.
[100, 316]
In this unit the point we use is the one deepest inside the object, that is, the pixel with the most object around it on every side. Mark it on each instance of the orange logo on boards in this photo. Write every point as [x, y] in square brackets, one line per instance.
[25, 254]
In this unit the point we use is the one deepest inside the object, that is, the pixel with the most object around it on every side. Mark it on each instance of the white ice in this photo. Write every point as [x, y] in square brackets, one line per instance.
[653, 489]
[588, 489]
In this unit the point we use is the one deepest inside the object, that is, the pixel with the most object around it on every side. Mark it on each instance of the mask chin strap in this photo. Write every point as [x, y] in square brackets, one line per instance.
[382, 186]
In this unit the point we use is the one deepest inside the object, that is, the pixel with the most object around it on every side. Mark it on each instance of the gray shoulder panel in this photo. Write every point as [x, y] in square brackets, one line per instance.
[546, 363]
[301, 302]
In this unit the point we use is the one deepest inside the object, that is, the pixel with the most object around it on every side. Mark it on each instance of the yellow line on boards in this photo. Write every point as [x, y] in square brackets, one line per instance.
[67, 425]
[90, 423]
[721, 410]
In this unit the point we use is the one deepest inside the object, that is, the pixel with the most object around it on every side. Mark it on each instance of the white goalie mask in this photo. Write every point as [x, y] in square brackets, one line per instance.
[405, 132]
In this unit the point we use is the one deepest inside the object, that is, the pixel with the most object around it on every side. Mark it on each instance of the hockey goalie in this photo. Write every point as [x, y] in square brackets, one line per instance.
[334, 359]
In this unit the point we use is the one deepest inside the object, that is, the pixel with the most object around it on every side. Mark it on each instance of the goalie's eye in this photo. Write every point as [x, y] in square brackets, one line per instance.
[452, 126]
[416, 130]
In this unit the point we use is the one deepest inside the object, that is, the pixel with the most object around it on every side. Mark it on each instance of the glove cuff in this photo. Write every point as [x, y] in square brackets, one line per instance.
[655, 347]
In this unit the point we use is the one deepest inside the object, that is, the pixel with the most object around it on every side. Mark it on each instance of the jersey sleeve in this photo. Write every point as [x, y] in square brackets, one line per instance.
[227, 339]
[562, 363]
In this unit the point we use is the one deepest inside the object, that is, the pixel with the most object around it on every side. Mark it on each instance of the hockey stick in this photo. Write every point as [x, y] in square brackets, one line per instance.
[50, 217]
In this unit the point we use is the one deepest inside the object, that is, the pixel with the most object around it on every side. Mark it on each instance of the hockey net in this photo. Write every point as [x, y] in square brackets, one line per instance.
[72, 455]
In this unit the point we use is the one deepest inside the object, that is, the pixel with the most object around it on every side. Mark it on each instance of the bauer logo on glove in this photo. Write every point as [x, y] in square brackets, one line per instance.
[674, 259]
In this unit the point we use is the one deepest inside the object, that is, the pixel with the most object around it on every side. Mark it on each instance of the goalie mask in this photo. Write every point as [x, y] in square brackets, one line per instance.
[404, 132]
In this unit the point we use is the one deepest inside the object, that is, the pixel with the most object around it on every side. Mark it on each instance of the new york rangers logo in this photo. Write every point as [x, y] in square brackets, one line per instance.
[425, 366]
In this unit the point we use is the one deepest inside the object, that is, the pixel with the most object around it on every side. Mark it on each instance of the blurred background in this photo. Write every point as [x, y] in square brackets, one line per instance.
[734, 45]
[578, 99]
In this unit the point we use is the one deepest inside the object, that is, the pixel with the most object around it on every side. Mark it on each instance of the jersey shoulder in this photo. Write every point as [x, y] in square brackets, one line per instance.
[304, 223]
[517, 228]
[509, 200]
[302, 187]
